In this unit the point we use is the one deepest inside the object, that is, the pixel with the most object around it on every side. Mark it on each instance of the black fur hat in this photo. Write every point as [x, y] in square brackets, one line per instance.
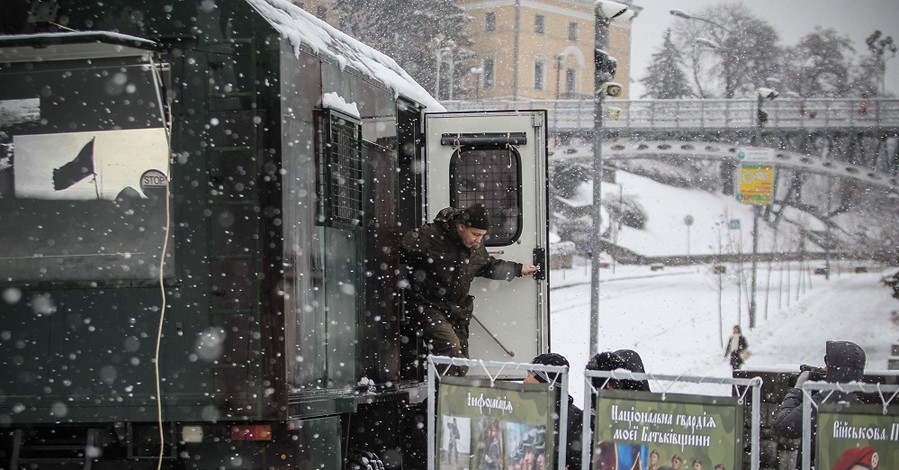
[476, 216]
[548, 359]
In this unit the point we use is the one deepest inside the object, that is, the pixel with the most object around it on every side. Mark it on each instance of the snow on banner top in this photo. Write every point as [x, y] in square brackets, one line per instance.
[300, 27]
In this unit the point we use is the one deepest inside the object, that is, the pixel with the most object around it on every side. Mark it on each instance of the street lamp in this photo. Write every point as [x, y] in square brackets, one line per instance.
[604, 13]
[687, 16]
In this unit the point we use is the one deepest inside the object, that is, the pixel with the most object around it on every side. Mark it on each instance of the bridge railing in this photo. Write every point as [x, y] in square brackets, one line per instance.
[710, 114]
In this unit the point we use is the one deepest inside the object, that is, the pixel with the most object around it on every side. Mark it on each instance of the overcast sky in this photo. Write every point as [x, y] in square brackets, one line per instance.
[791, 18]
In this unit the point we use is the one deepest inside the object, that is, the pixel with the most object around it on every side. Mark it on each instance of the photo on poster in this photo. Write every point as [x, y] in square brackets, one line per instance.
[618, 456]
[455, 443]
[526, 446]
[489, 447]
[85, 166]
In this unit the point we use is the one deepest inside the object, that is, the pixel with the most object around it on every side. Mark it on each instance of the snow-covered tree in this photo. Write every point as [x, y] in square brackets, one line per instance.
[415, 38]
[744, 54]
[665, 78]
[818, 66]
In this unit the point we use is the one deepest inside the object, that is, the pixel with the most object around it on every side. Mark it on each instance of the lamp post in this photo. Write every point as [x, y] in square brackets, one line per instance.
[764, 94]
[604, 13]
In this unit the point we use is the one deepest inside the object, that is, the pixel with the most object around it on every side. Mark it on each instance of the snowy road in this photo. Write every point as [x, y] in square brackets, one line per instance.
[673, 320]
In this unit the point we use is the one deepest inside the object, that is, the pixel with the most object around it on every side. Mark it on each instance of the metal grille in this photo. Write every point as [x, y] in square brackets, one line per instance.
[491, 177]
[343, 172]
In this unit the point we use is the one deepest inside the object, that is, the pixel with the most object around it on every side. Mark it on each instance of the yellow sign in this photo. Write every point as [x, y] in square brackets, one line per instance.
[756, 184]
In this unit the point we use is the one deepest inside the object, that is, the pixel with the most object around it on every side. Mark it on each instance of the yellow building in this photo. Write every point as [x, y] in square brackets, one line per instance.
[528, 49]
[539, 49]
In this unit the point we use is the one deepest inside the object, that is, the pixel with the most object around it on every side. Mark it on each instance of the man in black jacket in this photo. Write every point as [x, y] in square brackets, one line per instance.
[844, 361]
[443, 259]
[575, 415]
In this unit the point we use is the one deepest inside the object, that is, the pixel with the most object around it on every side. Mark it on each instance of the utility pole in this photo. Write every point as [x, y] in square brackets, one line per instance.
[604, 13]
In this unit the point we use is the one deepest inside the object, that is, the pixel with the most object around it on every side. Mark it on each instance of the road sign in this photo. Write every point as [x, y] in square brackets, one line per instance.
[755, 155]
[688, 220]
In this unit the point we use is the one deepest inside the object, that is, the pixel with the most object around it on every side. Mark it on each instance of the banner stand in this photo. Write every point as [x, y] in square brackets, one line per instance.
[436, 373]
[886, 393]
[754, 383]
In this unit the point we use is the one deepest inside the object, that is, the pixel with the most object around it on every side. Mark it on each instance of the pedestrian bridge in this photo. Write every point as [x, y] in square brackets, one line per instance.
[709, 114]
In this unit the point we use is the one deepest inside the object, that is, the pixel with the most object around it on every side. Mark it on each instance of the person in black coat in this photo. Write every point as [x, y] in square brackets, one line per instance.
[844, 361]
[736, 346]
[575, 415]
[442, 259]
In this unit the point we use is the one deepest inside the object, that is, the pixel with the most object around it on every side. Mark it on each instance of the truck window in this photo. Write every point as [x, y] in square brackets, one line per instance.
[492, 177]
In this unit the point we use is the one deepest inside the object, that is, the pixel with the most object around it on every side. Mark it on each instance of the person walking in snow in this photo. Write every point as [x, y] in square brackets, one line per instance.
[737, 348]
[443, 258]
[844, 361]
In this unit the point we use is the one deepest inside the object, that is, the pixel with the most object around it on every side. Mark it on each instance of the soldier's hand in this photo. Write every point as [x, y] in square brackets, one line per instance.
[528, 269]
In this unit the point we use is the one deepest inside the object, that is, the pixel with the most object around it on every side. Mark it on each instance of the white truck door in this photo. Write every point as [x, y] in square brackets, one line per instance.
[498, 159]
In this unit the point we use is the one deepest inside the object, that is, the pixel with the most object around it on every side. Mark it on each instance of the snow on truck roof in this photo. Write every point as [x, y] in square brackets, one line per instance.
[302, 28]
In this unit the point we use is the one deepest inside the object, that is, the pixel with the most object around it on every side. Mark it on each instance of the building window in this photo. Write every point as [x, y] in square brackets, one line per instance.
[539, 68]
[540, 24]
[489, 73]
[572, 31]
[570, 83]
[490, 21]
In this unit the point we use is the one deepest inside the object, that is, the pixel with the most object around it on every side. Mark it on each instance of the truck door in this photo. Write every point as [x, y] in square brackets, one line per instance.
[499, 160]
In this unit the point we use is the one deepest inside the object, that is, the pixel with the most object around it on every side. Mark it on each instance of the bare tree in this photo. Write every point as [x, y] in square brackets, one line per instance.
[818, 66]
[744, 50]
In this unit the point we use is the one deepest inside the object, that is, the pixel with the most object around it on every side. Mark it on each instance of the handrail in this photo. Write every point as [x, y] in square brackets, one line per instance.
[707, 114]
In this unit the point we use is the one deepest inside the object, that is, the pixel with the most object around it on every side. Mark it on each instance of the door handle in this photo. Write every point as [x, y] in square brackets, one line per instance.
[540, 262]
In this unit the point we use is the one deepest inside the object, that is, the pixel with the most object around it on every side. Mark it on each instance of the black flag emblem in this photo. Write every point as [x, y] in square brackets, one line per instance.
[76, 170]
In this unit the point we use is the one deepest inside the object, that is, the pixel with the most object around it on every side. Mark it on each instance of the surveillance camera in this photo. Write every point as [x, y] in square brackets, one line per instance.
[612, 89]
[768, 93]
[612, 113]
[613, 10]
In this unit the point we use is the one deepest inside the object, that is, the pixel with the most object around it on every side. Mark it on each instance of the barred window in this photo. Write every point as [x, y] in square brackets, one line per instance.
[342, 178]
[492, 177]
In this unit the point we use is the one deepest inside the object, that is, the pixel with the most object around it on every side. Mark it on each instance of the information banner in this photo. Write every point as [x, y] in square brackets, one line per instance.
[755, 175]
[494, 427]
[857, 435]
[641, 430]
[756, 184]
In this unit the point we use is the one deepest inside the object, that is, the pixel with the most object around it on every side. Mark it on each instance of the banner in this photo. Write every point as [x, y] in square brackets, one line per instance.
[505, 426]
[640, 431]
[857, 435]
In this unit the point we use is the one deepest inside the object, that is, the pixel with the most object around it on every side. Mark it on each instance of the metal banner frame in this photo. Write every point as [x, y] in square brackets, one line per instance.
[434, 375]
[807, 402]
[754, 383]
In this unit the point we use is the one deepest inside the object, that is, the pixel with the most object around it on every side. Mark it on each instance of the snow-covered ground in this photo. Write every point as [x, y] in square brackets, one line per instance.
[671, 317]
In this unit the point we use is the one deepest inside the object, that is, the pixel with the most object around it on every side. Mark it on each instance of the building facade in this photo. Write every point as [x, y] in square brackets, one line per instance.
[527, 50]
[539, 49]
